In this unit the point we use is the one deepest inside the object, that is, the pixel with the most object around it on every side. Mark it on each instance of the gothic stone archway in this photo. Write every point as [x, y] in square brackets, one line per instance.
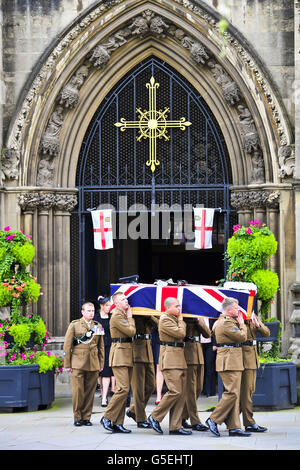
[88, 60]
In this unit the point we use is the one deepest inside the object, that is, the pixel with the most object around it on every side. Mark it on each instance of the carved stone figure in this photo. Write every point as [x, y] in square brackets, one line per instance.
[50, 139]
[258, 167]
[28, 201]
[65, 202]
[45, 171]
[99, 56]
[116, 40]
[197, 50]
[286, 160]
[9, 164]
[230, 90]
[148, 22]
[248, 130]
[69, 95]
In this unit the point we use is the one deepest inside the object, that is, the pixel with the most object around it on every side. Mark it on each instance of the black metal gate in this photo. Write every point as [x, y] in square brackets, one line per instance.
[194, 165]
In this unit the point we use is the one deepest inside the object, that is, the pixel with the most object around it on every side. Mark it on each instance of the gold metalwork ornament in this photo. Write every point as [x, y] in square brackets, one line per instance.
[152, 124]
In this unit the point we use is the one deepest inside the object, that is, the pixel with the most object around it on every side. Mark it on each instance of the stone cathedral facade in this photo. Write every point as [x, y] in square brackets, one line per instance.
[64, 60]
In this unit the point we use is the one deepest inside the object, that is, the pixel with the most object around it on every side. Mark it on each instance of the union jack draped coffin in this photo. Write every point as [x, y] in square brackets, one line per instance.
[195, 300]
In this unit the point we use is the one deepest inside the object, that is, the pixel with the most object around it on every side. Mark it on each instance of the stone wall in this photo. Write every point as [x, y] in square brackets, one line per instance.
[30, 26]
[268, 25]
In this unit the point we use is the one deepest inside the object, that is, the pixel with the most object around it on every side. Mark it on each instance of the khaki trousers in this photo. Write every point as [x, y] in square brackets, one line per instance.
[117, 405]
[174, 400]
[195, 376]
[228, 408]
[143, 385]
[247, 390]
[84, 385]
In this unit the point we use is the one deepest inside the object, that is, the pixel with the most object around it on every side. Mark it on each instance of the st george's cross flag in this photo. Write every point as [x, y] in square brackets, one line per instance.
[102, 227]
[204, 221]
[195, 300]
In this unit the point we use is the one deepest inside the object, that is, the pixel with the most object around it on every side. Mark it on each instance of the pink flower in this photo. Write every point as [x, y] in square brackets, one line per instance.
[7, 229]
[251, 222]
[248, 230]
[236, 227]
[257, 222]
[10, 237]
[28, 236]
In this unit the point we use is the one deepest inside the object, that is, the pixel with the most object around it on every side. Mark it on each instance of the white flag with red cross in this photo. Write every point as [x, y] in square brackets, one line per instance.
[102, 223]
[204, 221]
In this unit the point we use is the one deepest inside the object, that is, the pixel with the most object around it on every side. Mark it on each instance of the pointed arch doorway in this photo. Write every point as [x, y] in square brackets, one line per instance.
[194, 171]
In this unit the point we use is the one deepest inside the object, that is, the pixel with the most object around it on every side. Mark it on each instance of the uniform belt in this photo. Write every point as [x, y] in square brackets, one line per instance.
[171, 343]
[122, 340]
[250, 343]
[192, 339]
[146, 336]
[229, 345]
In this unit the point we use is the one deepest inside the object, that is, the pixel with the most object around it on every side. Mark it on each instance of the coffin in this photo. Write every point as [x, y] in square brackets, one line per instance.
[195, 300]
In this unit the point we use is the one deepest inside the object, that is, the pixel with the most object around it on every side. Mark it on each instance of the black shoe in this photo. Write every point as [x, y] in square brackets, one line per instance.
[212, 427]
[86, 422]
[120, 428]
[130, 414]
[238, 432]
[78, 422]
[144, 424]
[128, 402]
[181, 432]
[185, 424]
[106, 423]
[104, 405]
[154, 424]
[199, 427]
[255, 428]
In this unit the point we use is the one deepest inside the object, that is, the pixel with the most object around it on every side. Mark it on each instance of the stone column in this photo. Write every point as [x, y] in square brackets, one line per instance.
[44, 245]
[64, 204]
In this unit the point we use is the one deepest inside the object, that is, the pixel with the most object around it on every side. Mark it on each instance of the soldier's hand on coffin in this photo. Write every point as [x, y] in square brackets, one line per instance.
[254, 320]
[240, 318]
[129, 312]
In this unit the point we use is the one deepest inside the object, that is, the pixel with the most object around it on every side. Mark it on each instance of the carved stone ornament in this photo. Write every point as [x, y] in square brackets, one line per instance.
[230, 90]
[45, 201]
[69, 95]
[248, 130]
[286, 161]
[50, 138]
[258, 167]
[45, 176]
[147, 23]
[254, 199]
[9, 164]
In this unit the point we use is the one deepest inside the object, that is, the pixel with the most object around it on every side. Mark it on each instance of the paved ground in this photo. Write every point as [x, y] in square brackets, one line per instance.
[53, 429]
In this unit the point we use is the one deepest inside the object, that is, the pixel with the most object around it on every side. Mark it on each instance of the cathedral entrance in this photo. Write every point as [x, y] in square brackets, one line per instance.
[194, 171]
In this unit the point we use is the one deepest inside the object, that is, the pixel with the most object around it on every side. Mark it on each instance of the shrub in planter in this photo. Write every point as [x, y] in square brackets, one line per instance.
[248, 250]
[18, 288]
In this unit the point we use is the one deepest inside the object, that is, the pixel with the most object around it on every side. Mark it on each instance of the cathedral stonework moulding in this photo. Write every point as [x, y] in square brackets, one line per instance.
[29, 201]
[154, 20]
[254, 199]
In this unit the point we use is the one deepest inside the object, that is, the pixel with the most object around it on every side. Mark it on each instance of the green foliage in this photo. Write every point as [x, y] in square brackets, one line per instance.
[267, 283]
[21, 333]
[18, 287]
[23, 254]
[5, 296]
[248, 250]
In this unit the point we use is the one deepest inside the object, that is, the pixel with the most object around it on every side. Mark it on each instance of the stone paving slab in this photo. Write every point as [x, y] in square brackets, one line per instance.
[53, 429]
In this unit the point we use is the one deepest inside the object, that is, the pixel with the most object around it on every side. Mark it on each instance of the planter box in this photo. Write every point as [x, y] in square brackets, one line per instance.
[275, 387]
[24, 387]
[274, 329]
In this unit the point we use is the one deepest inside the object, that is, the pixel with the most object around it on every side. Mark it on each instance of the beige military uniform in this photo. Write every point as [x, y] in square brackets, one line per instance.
[143, 376]
[121, 361]
[172, 363]
[251, 363]
[195, 366]
[85, 359]
[229, 364]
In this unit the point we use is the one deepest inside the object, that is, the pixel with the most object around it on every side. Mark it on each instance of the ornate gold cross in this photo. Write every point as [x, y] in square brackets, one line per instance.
[152, 124]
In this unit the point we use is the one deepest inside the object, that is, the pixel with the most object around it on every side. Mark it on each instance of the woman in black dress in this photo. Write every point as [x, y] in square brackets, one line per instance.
[106, 376]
